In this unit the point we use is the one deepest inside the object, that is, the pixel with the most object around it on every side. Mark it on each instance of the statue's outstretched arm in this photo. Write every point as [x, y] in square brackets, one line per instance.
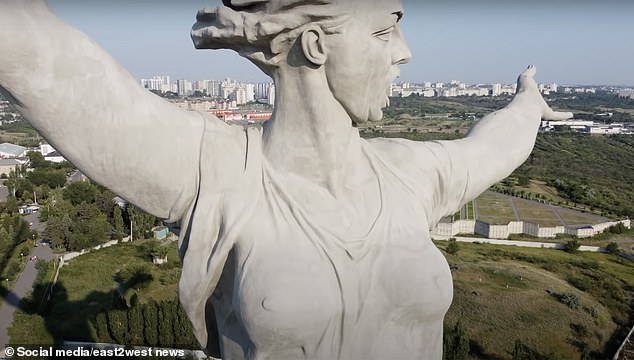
[499, 143]
[459, 170]
[96, 113]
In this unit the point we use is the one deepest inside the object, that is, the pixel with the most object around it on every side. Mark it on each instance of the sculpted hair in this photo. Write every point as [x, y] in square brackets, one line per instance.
[262, 30]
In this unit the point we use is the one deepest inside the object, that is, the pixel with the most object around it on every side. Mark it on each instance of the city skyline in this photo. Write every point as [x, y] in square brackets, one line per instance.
[580, 43]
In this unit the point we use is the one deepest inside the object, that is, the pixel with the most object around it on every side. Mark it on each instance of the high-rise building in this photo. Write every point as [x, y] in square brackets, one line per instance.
[250, 92]
[213, 88]
[262, 90]
[184, 87]
[155, 83]
[271, 97]
[496, 89]
[241, 96]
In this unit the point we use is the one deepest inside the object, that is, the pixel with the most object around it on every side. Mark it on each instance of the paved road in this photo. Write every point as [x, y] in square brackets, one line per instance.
[23, 285]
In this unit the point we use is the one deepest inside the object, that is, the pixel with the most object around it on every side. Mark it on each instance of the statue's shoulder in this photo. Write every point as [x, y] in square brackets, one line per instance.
[396, 149]
[413, 157]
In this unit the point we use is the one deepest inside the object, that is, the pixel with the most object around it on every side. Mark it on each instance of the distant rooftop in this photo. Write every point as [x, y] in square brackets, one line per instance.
[12, 149]
[10, 162]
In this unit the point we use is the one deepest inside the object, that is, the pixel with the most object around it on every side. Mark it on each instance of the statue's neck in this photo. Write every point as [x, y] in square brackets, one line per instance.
[310, 134]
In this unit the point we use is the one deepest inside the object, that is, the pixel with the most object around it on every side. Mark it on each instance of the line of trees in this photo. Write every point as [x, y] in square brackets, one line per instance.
[14, 232]
[163, 324]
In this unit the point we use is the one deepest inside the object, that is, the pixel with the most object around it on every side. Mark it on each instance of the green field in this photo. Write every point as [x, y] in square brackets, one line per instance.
[495, 208]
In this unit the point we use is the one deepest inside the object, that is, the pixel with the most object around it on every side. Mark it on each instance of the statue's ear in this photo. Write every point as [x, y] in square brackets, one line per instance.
[312, 40]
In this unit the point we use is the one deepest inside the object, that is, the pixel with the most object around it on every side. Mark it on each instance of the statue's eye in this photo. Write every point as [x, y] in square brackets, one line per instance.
[384, 35]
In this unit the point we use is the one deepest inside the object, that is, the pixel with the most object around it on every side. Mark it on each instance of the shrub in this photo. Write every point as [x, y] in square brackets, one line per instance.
[456, 343]
[572, 246]
[452, 246]
[138, 277]
[571, 300]
[613, 248]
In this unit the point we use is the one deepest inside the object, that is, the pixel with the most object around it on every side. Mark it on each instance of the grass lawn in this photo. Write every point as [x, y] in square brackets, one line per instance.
[495, 208]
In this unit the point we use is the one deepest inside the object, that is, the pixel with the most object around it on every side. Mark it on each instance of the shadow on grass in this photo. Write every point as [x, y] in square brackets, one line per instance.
[477, 351]
[64, 319]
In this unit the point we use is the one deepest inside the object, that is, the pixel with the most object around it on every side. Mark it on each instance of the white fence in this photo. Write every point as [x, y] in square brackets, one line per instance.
[520, 227]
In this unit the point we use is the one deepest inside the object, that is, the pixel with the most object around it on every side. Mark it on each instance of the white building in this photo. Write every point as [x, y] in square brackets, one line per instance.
[272, 94]
[184, 87]
[8, 151]
[156, 83]
[496, 89]
[8, 165]
[46, 149]
[54, 157]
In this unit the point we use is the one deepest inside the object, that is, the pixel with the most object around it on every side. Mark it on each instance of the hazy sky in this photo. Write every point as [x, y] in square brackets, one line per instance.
[475, 41]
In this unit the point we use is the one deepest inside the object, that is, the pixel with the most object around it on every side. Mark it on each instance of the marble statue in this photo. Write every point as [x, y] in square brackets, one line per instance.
[300, 240]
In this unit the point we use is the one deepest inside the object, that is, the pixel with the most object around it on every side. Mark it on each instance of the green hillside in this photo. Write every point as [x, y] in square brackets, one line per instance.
[597, 171]
[506, 294]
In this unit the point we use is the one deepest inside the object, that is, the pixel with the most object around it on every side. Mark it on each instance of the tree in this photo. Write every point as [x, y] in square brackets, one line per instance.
[150, 323]
[99, 229]
[452, 246]
[142, 222]
[58, 231]
[165, 325]
[134, 276]
[185, 337]
[36, 160]
[572, 246]
[51, 178]
[118, 223]
[101, 328]
[518, 350]
[103, 200]
[11, 206]
[78, 192]
[11, 182]
[135, 325]
[456, 343]
[118, 326]
[523, 181]
[613, 248]
[79, 241]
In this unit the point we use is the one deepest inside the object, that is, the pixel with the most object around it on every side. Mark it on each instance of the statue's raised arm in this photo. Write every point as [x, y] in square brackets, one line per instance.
[498, 144]
[93, 111]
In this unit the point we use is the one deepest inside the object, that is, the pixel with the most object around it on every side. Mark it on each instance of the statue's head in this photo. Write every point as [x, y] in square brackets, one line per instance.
[356, 43]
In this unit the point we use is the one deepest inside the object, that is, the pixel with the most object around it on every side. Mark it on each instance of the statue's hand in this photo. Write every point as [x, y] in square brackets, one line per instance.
[527, 87]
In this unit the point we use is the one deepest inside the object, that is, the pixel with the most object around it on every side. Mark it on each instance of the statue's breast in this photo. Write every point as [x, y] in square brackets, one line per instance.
[300, 290]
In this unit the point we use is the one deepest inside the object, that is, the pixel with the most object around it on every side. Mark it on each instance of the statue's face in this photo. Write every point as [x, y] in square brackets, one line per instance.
[363, 59]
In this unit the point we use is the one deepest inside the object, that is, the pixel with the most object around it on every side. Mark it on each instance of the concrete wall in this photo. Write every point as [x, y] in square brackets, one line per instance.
[519, 227]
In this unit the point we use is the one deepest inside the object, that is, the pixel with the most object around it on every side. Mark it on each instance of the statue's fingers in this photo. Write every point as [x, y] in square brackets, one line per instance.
[526, 80]
[530, 71]
[557, 115]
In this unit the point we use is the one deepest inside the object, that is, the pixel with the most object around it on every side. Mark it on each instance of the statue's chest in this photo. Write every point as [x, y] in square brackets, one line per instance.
[299, 279]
